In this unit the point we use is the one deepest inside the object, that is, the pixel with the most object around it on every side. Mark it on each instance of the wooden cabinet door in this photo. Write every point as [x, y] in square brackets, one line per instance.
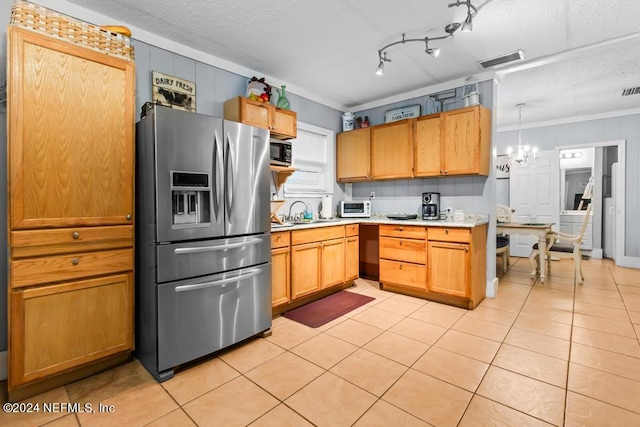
[55, 328]
[352, 258]
[449, 268]
[428, 161]
[460, 141]
[280, 276]
[255, 113]
[71, 143]
[353, 155]
[333, 262]
[285, 124]
[305, 269]
[392, 150]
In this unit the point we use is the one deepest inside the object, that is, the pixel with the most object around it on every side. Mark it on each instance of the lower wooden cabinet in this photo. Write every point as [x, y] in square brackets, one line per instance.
[352, 258]
[59, 327]
[305, 269]
[332, 262]
[280, 268]
[437, 263]
[311, 261]
[280, 276]
[449, 265]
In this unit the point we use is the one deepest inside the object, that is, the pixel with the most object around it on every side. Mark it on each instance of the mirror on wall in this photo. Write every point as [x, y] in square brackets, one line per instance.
[576, 178]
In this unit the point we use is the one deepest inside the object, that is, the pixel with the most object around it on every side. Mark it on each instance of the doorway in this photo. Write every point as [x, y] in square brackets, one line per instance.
[607, 196]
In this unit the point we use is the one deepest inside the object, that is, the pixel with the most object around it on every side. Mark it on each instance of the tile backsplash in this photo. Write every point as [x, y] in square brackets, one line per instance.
[405, 196]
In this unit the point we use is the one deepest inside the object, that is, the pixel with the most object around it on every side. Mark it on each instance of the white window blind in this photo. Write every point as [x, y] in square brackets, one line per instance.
[312, 155]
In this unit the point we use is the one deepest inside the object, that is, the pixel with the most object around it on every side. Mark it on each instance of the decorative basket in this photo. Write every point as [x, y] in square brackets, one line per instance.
[38, 18]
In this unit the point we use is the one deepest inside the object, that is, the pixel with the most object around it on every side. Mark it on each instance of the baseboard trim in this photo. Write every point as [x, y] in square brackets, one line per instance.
[629, 261]
[3, 365]
[492, 287]
[597, 253]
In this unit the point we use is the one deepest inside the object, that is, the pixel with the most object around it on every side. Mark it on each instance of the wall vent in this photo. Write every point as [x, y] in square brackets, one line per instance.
[631, 91]
[503, 59]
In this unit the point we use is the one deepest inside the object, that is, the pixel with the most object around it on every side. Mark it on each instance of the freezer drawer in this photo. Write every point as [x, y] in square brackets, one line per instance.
[192, 259]
[197, 317]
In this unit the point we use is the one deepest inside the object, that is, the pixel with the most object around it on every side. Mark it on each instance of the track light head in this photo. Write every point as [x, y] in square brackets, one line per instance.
[467, 26]
[380, 69]
[435, 52]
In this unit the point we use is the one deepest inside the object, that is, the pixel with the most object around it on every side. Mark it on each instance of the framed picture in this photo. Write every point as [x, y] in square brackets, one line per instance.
[502, 167]
[173, 92]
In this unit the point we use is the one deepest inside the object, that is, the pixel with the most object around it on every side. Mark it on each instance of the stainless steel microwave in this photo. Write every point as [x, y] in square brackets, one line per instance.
[280, 152]
[355, 209]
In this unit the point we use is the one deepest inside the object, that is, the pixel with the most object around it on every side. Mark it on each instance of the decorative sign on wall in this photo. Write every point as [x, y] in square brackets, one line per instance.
[402, 113]
[173, 92]
[502, 167]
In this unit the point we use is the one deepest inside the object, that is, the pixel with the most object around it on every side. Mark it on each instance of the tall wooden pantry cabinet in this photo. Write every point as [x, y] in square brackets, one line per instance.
[71, 210]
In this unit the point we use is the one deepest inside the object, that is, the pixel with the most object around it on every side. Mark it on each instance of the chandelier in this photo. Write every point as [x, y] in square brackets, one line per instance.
[523, 155]
[465, 27]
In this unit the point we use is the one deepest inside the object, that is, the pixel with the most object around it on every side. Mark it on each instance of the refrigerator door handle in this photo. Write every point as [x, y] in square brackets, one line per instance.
[230, 187]
[217, 283]
[194, 250]
[218, 176]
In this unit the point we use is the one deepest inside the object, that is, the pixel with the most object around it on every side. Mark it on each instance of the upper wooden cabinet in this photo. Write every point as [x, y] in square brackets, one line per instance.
[282, 124]
[353, 155]
[456, 142]
[392, 150]
[71, 123]
[453, 143]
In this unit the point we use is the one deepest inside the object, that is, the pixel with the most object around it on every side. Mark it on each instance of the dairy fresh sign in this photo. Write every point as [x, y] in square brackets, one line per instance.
[173, 92]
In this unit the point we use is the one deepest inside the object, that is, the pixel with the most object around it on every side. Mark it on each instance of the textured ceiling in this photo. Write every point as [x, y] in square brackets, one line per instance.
[329, 47]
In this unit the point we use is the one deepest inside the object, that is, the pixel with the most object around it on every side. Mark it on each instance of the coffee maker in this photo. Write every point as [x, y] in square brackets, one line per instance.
[430, 206]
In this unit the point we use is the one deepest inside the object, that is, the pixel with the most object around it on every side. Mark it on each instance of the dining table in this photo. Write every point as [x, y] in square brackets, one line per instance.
[533, 229]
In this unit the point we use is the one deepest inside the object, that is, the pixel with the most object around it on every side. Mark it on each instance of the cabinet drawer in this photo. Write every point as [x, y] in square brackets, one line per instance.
[401, 273]
[445, 234]
[406, 250]
[316, 234]
[37, 271]
[406, 231]
[29, 243]
[280, 240]
[352, 230]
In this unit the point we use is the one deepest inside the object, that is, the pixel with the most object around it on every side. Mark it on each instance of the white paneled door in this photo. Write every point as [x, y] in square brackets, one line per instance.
[534, 193]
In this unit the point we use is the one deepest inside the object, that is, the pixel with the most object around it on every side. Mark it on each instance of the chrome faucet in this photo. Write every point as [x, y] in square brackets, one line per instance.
[291, 206]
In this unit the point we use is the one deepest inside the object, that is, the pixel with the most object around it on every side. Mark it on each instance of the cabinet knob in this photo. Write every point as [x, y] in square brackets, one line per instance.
[400, 266]
[75, 235]
[446, 171]
[446, 231]
[441, 171]
[128, 217]
[75, 261]
[466, 250]
[401, 228]
[401, 243]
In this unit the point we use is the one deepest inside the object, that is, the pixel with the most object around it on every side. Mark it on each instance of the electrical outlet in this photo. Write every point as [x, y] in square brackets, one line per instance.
[372, 195]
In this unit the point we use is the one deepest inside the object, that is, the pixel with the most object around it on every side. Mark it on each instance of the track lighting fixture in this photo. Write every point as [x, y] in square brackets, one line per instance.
[450, 29]
[380, 69]
[433, 51]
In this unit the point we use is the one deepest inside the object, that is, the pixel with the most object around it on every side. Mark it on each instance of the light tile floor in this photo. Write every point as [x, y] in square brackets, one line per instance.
[539, 354]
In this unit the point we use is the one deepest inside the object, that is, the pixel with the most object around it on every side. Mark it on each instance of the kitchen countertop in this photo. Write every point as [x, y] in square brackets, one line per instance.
[472, 220]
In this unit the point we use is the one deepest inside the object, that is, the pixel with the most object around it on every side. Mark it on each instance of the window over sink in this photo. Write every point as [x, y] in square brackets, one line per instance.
[312, 156]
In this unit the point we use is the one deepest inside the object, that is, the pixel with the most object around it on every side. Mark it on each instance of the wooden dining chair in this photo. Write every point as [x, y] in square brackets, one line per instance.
[562, 245]
[503, 214]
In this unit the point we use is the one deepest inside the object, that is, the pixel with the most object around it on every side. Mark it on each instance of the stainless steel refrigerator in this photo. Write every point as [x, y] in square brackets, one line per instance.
[203, 247]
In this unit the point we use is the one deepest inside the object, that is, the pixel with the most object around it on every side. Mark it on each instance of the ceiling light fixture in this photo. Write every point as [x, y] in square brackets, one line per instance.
[450, 29]
[524, 155]
[380, 69]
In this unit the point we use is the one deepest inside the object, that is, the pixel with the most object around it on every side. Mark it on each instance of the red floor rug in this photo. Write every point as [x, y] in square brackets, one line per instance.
[325, 310]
